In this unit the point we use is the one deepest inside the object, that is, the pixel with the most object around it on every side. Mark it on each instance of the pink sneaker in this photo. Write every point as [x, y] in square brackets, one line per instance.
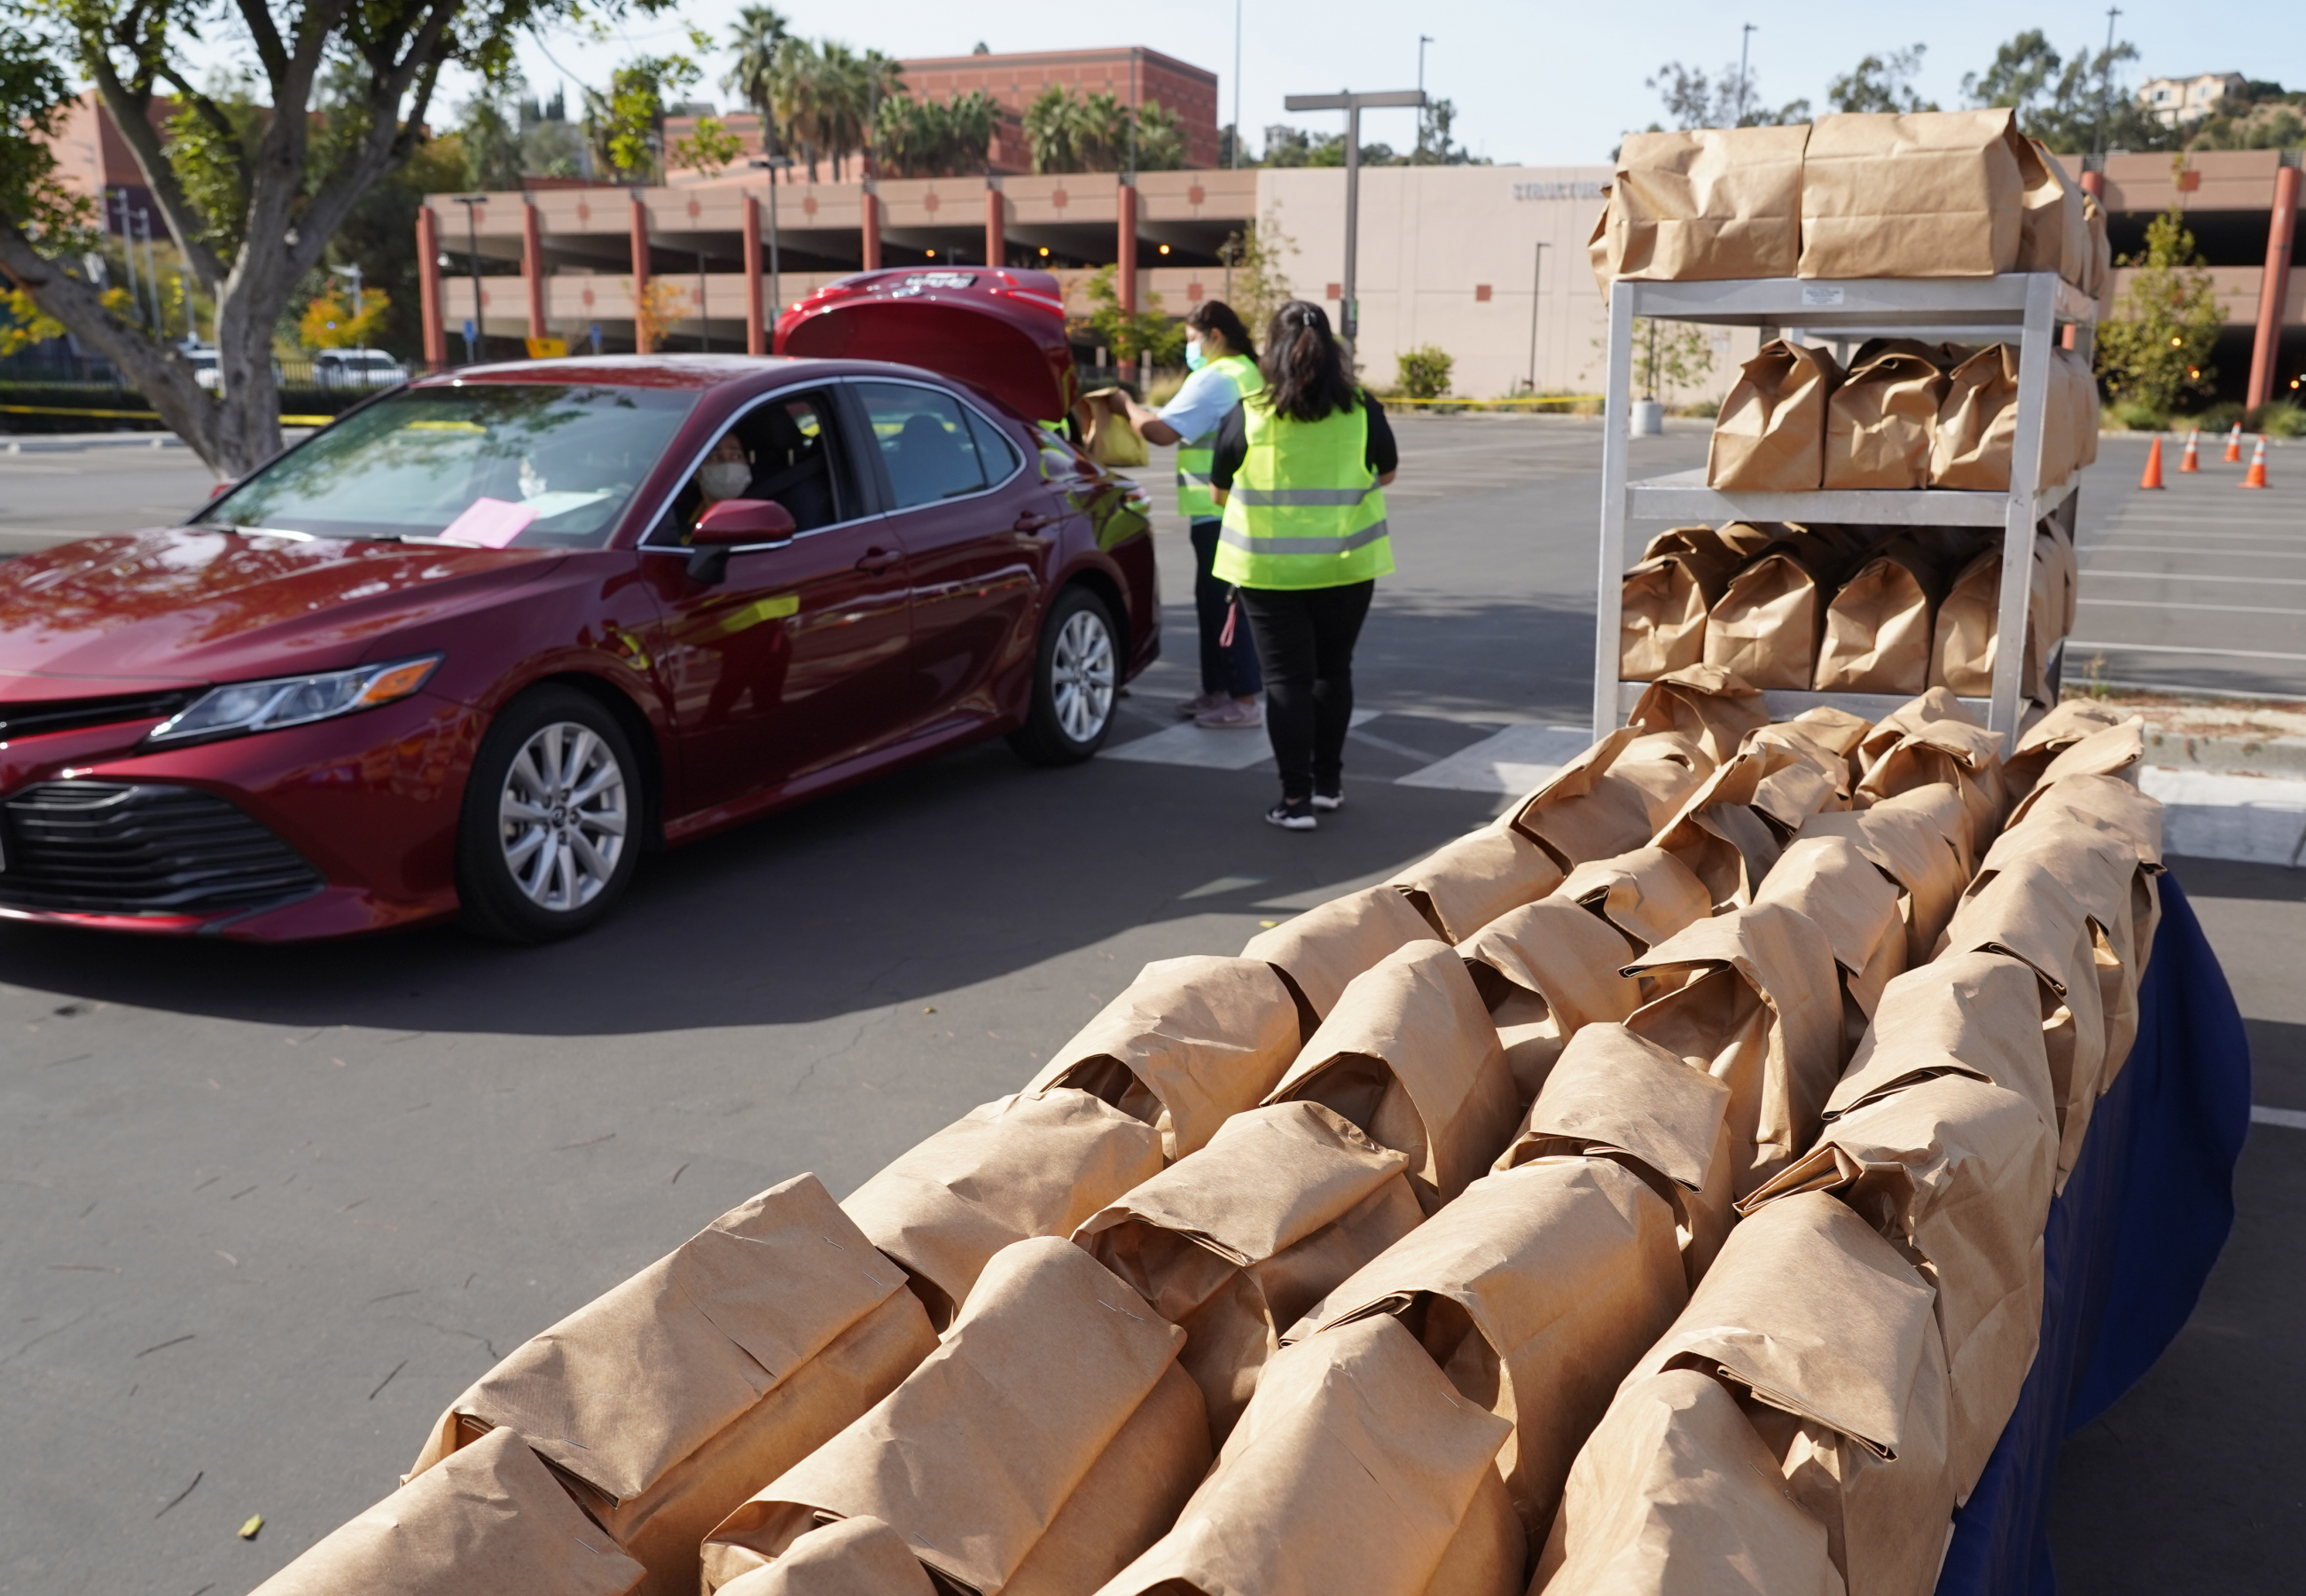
[1232, 714]
[1200, 704]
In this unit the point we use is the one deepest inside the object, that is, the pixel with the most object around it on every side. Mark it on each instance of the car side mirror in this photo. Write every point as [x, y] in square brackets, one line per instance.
[731, 523]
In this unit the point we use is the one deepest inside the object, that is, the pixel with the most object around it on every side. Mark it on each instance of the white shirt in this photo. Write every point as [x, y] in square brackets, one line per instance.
[1204, 401]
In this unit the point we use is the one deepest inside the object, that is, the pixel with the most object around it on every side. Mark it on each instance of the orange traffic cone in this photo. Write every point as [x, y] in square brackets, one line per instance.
[2233, 444]
[2153, 477]
[2193, 456]
[2256, 476]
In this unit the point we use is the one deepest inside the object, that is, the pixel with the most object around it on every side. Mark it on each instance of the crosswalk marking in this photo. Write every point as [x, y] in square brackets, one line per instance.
[1516, 760]
[1200, 748]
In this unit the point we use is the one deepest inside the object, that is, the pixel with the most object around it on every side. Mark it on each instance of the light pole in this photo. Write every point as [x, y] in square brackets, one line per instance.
[1536, 278]
[2105, 79]
[776, 289]
[1745, 42]
[1236, 83]
[353, 272]
[471, 204]
[1353, 105]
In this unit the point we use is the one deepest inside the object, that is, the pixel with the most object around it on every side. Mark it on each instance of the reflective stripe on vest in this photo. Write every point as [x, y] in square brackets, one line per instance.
[1305, 510]
[1197, 456]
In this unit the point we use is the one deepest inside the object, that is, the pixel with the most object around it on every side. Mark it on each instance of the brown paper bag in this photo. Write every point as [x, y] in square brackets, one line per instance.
[2104, 803]
[1761, 1013]
[1676, 1486]
[2055, 235]
[1977, 423]
[668, 1400]
[2058, 729]
[1353, 1468]
[491, 1517]
[1544, 971]
[1730, 832]
[1770, 436]
[1830, 882]
[1824, 745]
[1610, 798]
[1535, 1291]
[1009, 1169]
[1490, 1550]
[1835, 1337]
[849, 1556]
[2071, 442]
[1975, 1014]
[1647, 895]
[1956, 1172]
[1945, 357]
[1703, 204]
[1961, 645]
[1881, 625]
[2101, 872]
[1410, 1056]
[1933, 741]
[1880, 424]
[1917, 194]
[1465, 884]
[1234, 1244]
[1617, 1095]
[2101, 266]
[1767, 625]
[1113, 436]
[975, 1458]
[1713, 707]
[1190, 1042]
[1915, 853]
[1323, 948]
[1662, 607]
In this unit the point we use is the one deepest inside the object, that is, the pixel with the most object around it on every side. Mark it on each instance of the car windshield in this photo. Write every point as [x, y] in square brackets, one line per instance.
[493, 464]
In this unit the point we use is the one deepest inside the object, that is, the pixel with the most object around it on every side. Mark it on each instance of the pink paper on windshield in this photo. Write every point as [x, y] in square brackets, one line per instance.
[488, 524]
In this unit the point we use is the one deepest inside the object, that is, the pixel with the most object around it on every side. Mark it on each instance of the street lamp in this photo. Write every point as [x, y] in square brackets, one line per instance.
[353, 272]
[776, 293]
[1536, 279]
[471, 204]
[1352, 106]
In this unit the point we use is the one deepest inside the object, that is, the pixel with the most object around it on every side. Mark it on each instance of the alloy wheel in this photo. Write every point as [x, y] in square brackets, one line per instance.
[1083, 675]
[563, 816]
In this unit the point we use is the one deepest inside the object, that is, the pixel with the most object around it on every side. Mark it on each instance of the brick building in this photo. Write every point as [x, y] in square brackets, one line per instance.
[1134, 76]
[93, 159]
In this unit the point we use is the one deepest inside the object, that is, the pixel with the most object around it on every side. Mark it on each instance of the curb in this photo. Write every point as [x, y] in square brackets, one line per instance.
[2242, 756]
[48, 443]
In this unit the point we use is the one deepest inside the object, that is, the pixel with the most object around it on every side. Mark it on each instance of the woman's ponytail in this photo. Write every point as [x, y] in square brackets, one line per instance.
[1305, 375]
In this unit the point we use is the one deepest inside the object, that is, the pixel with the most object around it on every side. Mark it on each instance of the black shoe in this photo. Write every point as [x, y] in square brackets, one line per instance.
[1292, 814]
[1329, 802]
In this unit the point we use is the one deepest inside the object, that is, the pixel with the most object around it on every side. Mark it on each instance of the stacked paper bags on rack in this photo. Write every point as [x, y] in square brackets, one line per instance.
[1653, 1177]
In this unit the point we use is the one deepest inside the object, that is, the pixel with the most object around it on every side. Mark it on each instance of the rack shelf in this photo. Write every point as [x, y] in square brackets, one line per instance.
[2028, 309]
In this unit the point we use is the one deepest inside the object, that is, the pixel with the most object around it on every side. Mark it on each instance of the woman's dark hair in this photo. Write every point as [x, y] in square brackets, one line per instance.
[1214, 315]
[1305, 375]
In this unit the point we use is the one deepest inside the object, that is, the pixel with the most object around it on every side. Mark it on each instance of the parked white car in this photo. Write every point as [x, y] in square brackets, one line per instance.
[357, 368]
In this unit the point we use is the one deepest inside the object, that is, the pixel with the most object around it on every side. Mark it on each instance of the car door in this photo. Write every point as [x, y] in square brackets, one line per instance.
[979, 530]
[792, 656]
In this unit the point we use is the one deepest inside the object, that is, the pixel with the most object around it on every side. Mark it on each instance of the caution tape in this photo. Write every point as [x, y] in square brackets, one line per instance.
[143, 415]
[1524, 403]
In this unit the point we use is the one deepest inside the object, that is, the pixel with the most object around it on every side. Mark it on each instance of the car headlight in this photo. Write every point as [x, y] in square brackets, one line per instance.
[293, 700]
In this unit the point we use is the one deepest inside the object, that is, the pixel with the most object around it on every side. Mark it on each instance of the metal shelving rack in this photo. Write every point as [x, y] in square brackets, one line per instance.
[2035, 306]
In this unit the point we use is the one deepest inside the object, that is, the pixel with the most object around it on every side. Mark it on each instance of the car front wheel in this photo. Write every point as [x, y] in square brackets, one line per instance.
[550, 831]
[1076, 682]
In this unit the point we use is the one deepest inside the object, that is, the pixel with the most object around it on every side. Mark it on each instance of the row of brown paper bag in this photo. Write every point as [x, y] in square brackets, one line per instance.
[1835, 1384]
[1795, 607]
[1905, 415]
[1917, 194]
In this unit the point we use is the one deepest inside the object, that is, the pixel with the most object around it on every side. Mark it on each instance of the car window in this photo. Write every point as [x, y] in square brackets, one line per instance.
[925, 443]
[532, 465]
[784, 450]
[992, 446]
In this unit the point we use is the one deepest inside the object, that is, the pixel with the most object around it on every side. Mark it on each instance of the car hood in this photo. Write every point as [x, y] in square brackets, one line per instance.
[187, 604]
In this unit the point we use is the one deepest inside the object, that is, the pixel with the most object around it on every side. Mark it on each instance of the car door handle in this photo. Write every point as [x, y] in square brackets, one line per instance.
[878, 560]
[1031, 521]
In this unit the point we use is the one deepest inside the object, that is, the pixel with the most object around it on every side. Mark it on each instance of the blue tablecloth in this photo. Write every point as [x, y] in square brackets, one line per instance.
[2129, 1244]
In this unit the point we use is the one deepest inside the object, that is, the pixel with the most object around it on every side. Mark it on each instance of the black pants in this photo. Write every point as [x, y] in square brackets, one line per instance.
[1305, 642]
[1230, 670]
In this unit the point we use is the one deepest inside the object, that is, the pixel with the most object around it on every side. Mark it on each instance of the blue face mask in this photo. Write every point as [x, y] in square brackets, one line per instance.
[1194, 358]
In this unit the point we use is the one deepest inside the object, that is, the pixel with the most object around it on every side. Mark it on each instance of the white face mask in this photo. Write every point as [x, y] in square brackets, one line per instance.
[724, 479]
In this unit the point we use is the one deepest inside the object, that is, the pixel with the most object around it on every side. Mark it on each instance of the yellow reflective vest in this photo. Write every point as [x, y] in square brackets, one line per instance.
[1196, 455]
[1304, 509]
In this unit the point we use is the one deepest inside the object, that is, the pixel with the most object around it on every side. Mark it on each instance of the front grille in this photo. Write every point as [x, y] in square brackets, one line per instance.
[75, 714]
[126, 847]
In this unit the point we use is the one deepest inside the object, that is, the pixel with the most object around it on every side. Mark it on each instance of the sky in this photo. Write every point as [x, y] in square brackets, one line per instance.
[1534, 85]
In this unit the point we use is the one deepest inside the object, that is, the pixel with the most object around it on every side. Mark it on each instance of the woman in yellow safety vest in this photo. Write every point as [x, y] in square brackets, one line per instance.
[1299, 469]
[1222, 372]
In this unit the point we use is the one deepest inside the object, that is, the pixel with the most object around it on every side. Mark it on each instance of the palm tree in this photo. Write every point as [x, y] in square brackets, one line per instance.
[760, 31]
[796, 85]
[1049, 130]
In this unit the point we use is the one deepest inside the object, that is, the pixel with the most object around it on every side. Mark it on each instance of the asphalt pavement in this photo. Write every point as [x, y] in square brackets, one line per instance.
[265, 1212]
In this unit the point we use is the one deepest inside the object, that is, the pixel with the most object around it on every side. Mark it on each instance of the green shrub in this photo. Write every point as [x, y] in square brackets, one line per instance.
[2284, 418]
[2136, 415]
[1425, 372]
[2218, 417]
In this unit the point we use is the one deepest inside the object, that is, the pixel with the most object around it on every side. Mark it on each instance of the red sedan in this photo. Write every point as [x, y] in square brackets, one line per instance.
[487, 639]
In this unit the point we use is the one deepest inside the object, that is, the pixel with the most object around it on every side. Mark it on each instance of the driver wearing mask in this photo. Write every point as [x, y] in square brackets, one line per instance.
[726, 473]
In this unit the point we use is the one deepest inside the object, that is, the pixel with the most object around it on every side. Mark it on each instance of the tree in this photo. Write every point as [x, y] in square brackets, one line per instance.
[1258, 282]
[935, 139]
[1091, 133]
[625, 127]
[708, 148]
[1881, 83]
[1424, 372]
[330, 323]
[2155, 349]
[657, 309]
[1133, 335]
[1692, 99]
[760, 32]
[1674, 356]
[285, 178]
[490, 132]
[2059, 98]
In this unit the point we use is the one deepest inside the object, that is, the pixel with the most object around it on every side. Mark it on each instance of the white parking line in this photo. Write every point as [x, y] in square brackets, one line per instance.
[1513, 761]
[2091, 570]
[1199, 748]
[2074, 645]
[2289, 1119]
[2174, 604]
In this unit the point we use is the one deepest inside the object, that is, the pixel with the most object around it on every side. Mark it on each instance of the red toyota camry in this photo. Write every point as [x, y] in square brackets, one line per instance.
[485, 641]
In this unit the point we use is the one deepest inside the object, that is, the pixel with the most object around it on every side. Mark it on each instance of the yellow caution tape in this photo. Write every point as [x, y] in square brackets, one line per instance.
[1500, 404]
[143, 416]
